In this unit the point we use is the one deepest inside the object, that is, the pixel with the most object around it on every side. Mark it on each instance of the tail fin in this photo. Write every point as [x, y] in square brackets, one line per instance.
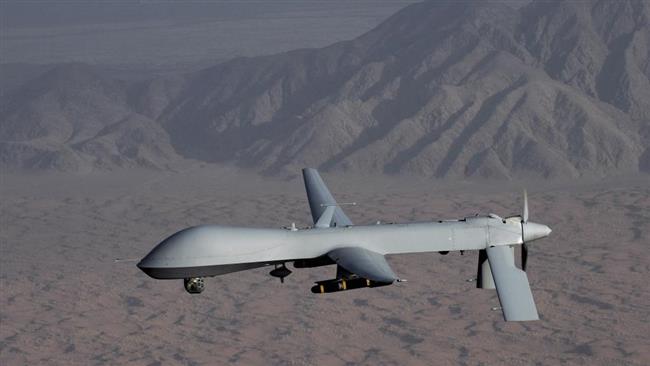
[320, 198]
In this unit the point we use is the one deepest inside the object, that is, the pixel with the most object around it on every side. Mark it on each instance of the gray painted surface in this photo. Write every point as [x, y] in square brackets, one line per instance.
[211, 250]
[319, 197]
[512, 286]
[365, 263]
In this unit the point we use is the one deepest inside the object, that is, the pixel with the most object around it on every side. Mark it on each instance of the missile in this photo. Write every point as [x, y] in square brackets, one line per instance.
[342, 284]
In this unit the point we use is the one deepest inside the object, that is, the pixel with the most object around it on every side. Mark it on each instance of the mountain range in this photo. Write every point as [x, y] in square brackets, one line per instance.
[440, 89]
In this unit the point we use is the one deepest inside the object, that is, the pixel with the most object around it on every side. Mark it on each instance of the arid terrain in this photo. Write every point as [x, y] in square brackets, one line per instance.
[443, 89]
[64, 301]
[123, 122]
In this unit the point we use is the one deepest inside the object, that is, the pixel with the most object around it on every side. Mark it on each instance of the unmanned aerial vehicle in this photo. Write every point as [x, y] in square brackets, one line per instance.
[358, 251]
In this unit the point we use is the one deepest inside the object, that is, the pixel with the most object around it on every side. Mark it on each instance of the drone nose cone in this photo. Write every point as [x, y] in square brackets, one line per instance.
[533, 231]
[147, 264]
[144, 263]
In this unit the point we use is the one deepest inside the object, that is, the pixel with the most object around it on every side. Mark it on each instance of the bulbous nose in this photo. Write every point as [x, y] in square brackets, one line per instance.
[533, 231]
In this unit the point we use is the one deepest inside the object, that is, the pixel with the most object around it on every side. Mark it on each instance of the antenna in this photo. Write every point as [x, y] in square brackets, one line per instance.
[120, 260]
[338, 204]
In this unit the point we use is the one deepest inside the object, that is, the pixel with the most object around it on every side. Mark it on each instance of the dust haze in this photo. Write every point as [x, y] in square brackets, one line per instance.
[123, 123]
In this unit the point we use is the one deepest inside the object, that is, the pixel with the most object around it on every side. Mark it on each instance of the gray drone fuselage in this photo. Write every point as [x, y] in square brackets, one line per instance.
[211, 250]
[357, 250]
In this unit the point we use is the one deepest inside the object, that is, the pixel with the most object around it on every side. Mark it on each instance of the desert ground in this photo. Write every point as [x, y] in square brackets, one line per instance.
[65, 301]
[103, 106]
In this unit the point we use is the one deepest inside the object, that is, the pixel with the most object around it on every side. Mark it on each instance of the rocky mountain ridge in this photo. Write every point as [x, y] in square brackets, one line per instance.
[447, 90]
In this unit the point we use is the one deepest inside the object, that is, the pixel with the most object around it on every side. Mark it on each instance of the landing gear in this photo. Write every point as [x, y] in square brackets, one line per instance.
[281, 272]
[194, 285]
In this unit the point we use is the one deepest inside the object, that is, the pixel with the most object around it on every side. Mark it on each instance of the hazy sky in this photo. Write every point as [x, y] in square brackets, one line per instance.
[171, 33]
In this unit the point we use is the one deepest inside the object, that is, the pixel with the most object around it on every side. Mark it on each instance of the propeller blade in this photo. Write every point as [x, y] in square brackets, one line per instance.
[524, 216]
[524, 256]
[524, 220]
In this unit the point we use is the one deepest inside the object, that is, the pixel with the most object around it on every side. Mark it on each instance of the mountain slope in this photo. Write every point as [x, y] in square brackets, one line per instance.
[441, 89]
[73, 118]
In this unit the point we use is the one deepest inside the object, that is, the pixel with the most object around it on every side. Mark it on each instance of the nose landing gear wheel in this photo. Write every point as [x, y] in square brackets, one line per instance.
[194, 285]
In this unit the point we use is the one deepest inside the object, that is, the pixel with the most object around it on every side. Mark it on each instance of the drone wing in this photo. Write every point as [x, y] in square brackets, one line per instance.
[326, 213]
[365, 263]
[512, 286]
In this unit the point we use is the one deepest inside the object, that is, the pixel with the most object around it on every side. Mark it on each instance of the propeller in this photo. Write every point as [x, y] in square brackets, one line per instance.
[524, 215]
[524, 256]
[524, 246]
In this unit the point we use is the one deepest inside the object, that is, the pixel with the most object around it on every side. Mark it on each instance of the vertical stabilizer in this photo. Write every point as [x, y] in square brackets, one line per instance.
[320, 198]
